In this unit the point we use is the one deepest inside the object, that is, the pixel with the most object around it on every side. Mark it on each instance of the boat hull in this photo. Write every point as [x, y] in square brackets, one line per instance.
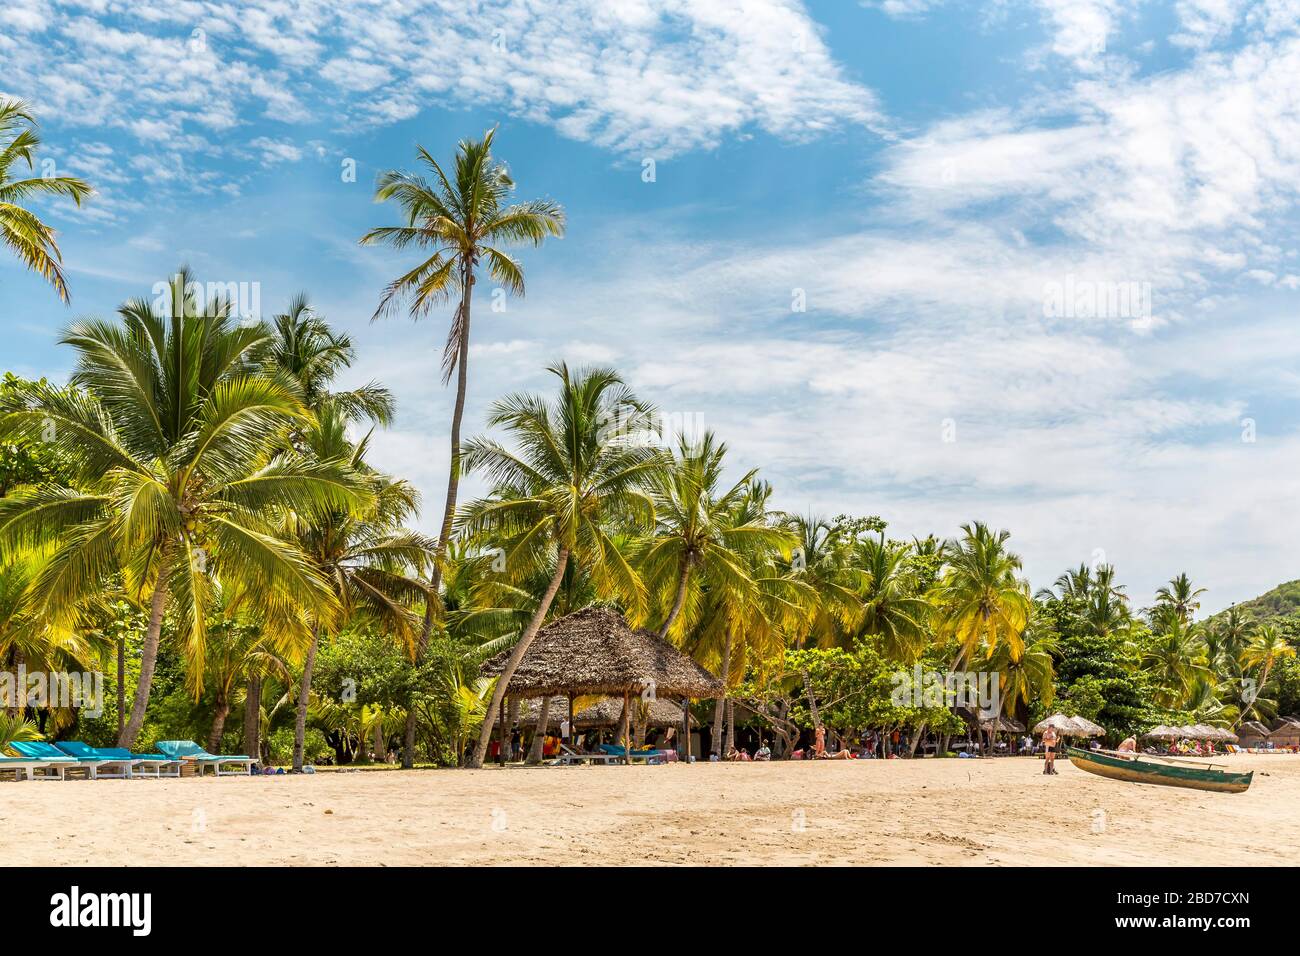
[1164, 775]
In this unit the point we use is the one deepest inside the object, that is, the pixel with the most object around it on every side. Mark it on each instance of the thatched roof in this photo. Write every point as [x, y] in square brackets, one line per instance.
[1253, 728]
[594, 651]
[604, 713]
[1162, 732]
[1005, 725]
[1070, 726]
[1287, 725]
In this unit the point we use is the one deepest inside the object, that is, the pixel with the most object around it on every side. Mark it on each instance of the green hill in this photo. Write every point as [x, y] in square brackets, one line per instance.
[1281, 602]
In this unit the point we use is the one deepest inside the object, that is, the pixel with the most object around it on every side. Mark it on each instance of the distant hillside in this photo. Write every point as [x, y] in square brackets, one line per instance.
[1282, 601]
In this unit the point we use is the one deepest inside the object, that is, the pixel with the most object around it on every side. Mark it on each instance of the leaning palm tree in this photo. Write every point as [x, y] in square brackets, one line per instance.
[980, 600]
[372, 563]
[697, 542]
[171, 439]
[557, 496]
[458, 221]
[1180, 597]
[31, 240]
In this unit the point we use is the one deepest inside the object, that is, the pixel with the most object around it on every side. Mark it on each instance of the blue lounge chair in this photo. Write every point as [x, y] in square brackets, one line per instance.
[129, 764]
[56, 762]
[649, 756]
[189, 750]
[28, 766]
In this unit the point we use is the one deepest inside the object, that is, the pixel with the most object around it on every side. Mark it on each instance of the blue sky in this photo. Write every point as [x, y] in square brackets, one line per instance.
[931, 175]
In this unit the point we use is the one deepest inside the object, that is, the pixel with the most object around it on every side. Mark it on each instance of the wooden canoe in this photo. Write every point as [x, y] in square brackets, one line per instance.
[1156, 770]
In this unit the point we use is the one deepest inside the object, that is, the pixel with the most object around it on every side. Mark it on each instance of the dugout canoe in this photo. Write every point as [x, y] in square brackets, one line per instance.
[1160, 771]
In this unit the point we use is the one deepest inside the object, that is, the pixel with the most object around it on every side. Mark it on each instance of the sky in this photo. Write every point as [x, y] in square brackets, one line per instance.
[1031, 262]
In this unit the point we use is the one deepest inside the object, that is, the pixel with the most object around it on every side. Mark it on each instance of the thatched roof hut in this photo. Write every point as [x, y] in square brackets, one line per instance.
[1252, 733]
[596, 652]
[604, 713]
[1162, 732]
[1285, 732]
[1003, 725]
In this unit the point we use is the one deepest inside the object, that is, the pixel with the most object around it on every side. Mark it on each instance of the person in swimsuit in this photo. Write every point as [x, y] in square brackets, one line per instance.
[1050, 738]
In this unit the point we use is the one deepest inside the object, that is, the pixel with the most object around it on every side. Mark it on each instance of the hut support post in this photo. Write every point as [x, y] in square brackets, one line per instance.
[573, 731]
[622, 731]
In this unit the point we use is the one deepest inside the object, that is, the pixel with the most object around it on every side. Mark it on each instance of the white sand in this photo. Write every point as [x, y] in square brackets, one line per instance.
[1001, 811]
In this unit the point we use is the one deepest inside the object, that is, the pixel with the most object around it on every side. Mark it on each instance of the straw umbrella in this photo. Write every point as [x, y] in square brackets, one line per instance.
[1161, 732]
[596, 652]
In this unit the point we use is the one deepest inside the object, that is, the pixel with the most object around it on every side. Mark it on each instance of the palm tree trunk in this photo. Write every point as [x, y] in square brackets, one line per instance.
[148, 659]
[622, 731]
[731, 724]
[719, 707]
[534, 625]
[679, 600]
[408, 732]
[253, 716]
[812, 700]
[121, 685]
[539, 735]
[304, 692]
[449, 507]
[218, 724]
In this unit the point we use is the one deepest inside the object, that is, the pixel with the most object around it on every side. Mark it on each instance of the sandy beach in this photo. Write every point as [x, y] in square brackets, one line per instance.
[924, 812]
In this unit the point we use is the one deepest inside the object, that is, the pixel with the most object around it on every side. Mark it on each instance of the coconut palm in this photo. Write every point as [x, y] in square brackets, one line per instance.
[458, 221]
[372, 563]
[1175, 657]
[1229, 637]
[1073, 585]
[1180, 597]
[171, 438]
[1106, 605]
[556, 497]
[819, 561]
[980, 600]
[304, 346]
[1267, 646]
[697, 542]
[237, 651]
[892, 610]
[30, 239]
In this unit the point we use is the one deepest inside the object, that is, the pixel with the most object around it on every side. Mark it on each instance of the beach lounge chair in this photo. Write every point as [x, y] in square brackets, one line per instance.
[55, 763]
[27, 766]
[649, 756]
[128, 764]
[189, 750]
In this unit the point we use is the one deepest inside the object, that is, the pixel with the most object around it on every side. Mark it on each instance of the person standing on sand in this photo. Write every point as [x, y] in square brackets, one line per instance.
[819, 745]
[1049, 747]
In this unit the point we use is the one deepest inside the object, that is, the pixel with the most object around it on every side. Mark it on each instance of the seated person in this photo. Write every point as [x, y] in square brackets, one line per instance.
[763, 752]
[1128, 745]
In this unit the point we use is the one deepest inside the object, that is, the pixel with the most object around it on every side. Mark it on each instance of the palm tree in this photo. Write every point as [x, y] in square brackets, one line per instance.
[1073, 585]
[370, 561]
[1231, 635]
[697, 542]
[459, 221]
[819, 560]
[31, 240]
[304, 346]
[1267, 646]
[556, 498]
[980, 600]
[1106, 605]
[892, 608]
[238, 650]
[1175, 658]
[171, 437]
[1180, 597]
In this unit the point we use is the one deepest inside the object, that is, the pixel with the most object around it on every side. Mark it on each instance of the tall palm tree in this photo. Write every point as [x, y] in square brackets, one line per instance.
[1181, 597]
[172, 439]
[1232, 634]
[980, 600]
[31, 240]
[1106, 605]
[697, 541]
[556, 498]
[458, 222]
[893, 610]
[372, 563]
[1073, 585]
[819, 560]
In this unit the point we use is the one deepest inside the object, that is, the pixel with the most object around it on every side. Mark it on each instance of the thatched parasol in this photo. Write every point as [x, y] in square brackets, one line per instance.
[1059, 721]
[1227, 736]
[1070, 726]
[1162, 732]
[594, 651]
[1086, 728]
